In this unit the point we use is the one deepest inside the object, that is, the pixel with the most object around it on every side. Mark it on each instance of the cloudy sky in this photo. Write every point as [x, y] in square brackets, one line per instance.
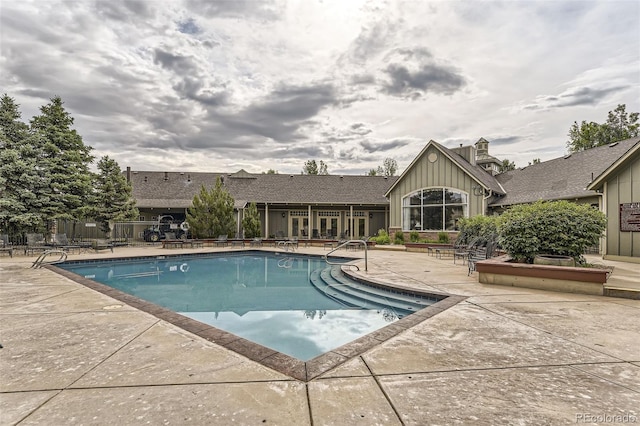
[223, 85]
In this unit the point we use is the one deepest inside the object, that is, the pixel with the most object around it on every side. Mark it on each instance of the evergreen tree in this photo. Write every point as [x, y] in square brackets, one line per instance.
[21, 182]
[65, 159]
[251, 222]
[212, 212]
[112, 196]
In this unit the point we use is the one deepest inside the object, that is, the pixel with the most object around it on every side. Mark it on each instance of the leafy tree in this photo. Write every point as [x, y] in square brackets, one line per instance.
[506, 166]
[270, 172]
[535, 161]
[390, 167]
[312, 168]
[376, 172]
[65, 159]
[550, 227]
[251, 222]
[619, 126]
[212, 212]
[112, 197]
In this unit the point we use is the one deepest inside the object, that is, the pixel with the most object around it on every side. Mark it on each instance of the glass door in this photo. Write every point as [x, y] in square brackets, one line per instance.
[299, 226]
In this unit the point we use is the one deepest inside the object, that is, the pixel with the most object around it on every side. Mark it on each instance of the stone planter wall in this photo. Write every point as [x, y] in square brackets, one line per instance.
[500, 271]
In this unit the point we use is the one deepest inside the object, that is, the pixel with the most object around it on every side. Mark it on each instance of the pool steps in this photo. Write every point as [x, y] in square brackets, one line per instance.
[332, 281]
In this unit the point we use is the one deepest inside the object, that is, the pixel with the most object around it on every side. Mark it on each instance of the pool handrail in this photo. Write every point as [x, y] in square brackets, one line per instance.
[40, 260]
[344, 244]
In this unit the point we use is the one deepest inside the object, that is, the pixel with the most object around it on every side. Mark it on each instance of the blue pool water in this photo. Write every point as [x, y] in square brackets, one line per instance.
[263, 297]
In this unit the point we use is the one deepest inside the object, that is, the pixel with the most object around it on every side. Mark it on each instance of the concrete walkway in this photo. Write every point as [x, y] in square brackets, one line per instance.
[504, 355]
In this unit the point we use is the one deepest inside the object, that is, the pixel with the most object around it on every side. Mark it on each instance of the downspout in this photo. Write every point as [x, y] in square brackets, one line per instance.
[484, 200]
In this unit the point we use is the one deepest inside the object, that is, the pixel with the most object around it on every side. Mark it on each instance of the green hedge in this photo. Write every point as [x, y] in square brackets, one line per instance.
[550, 227]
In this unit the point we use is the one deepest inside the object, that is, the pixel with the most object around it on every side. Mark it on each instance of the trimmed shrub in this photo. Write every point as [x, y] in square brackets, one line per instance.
[485, 227]
[443, 237]
[550, 227]
[414, 236]
[382, 238]
[398, 238]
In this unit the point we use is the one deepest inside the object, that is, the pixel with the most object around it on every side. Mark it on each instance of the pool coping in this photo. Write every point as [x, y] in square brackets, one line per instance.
[300, 370]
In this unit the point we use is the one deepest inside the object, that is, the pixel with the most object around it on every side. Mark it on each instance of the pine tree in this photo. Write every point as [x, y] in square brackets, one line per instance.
[212, 212]
[65, 160]
[22, 183]
[112, 198]
[251, 222]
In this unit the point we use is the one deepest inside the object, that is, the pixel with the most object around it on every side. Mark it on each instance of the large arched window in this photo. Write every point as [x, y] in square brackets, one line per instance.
[434, 209]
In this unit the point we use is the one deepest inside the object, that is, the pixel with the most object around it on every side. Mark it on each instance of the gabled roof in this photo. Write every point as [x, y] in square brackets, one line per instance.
[176, 190]
[476, 172]
[602, 177]
[563, 178]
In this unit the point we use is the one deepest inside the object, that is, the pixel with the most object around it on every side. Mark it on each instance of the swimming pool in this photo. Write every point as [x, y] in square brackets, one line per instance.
[296, 305]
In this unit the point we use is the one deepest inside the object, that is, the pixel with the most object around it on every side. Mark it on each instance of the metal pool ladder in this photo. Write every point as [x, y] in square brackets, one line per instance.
[40, 260]
[363, 242]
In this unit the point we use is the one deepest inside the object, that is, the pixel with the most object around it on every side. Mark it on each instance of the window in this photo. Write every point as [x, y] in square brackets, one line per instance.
[435, 209]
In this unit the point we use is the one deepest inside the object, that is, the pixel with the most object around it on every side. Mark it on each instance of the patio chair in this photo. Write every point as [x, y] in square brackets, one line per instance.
[481, 252]
[222, 241]
[35, 242]
[461, 251]
[5, 247]
[61, 241]
[101, 244]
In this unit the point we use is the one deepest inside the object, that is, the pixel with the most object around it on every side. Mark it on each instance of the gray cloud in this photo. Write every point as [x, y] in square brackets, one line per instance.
[427, 78]
[573, 97]
[384, 146]
[505, 140]
[124, 10]
[239, 9]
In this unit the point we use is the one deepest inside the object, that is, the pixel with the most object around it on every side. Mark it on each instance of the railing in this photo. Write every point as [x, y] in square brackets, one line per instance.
[346, 243]
[40, 260]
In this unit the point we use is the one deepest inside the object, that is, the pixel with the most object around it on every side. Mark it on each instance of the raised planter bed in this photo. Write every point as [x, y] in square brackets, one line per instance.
[502, 271]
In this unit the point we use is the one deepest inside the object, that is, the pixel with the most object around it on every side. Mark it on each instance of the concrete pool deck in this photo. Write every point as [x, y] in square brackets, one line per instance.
[504, 355]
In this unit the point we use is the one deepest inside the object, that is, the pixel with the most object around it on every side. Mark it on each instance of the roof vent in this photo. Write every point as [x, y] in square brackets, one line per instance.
[341, 177]
[181, 173]
[134, 172]
[188, 178]
[290, 176]
[613, 144]
[166, 176]
[567, 156]
[145, 179]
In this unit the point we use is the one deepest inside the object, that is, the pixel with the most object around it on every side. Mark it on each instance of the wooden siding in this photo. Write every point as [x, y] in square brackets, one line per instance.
[424, 174]
[623, 187]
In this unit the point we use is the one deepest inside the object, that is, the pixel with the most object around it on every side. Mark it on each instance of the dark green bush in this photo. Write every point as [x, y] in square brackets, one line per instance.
[382, 238]
[443, 237]
[550, 227]
[485, 227]
[398, 238]
[414, 236]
